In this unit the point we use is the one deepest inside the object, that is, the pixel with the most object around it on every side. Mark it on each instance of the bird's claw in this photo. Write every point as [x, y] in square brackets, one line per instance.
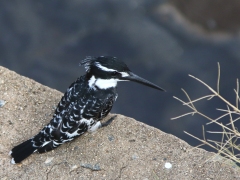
[104, 124]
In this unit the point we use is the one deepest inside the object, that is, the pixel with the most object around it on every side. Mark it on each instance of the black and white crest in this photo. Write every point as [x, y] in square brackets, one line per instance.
[104, 63]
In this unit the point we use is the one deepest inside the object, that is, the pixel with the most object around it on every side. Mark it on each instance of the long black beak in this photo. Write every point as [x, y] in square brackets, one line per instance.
[136, 78]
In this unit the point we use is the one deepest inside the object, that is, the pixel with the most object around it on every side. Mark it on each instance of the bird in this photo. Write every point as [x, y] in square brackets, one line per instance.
[82, 107]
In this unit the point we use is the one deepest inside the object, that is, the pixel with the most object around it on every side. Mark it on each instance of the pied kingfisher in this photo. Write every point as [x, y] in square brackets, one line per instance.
[87, 101]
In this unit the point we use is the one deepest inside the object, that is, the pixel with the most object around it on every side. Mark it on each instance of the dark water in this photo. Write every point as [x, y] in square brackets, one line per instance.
[45, 40]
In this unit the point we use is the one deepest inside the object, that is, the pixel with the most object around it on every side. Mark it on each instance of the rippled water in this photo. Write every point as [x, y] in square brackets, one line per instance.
[47, 40]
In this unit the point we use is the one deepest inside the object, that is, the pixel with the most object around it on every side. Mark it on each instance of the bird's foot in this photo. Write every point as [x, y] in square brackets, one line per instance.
[104, 124]
[100, 124]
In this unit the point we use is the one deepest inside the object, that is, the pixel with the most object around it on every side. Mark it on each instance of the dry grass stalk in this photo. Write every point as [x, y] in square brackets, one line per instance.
[229, 134]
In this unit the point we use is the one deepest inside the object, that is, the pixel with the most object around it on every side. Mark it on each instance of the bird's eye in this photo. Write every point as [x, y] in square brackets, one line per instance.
[114, 73]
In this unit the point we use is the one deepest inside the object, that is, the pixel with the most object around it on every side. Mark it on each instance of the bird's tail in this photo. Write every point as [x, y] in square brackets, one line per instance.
[22, 151]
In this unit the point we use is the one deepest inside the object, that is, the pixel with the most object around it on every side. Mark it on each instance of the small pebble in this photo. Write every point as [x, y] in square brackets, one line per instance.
[95, 167]
[168, 165]
[74, 167]
[48, 160]
[110, 137]
[135, 156]
[2, 103]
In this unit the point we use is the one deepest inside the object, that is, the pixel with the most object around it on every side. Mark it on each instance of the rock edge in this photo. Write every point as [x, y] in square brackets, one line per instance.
[127, 149]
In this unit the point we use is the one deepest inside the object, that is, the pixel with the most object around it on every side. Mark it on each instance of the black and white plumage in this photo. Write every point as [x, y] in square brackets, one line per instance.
[87, 101]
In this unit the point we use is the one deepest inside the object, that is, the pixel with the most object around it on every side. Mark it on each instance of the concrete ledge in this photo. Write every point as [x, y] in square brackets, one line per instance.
[127, 149]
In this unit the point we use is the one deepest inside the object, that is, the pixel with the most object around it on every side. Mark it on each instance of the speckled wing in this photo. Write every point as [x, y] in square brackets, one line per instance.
[78, 110]
[52, 133]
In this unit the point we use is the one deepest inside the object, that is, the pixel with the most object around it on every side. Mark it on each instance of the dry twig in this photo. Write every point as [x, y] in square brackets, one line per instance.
[229, 134]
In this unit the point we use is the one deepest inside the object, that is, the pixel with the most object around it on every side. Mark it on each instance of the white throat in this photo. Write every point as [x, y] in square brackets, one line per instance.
[102, 83]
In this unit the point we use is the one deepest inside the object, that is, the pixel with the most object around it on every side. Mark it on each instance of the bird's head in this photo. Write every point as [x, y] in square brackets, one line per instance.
[105, 71]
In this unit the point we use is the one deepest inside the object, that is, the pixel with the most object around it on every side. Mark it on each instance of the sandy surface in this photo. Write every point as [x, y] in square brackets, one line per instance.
[126, 149]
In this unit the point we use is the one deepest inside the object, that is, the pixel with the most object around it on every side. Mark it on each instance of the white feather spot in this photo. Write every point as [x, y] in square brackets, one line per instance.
[70, 135]
[102, 83]
[56, 143]
[106, 83]
[12, 161]
[64, 126]
[95, 127]
[91, 82]
[10, 153]
[104, 68]
[124, 74]
[86, 121]
[45, 143]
